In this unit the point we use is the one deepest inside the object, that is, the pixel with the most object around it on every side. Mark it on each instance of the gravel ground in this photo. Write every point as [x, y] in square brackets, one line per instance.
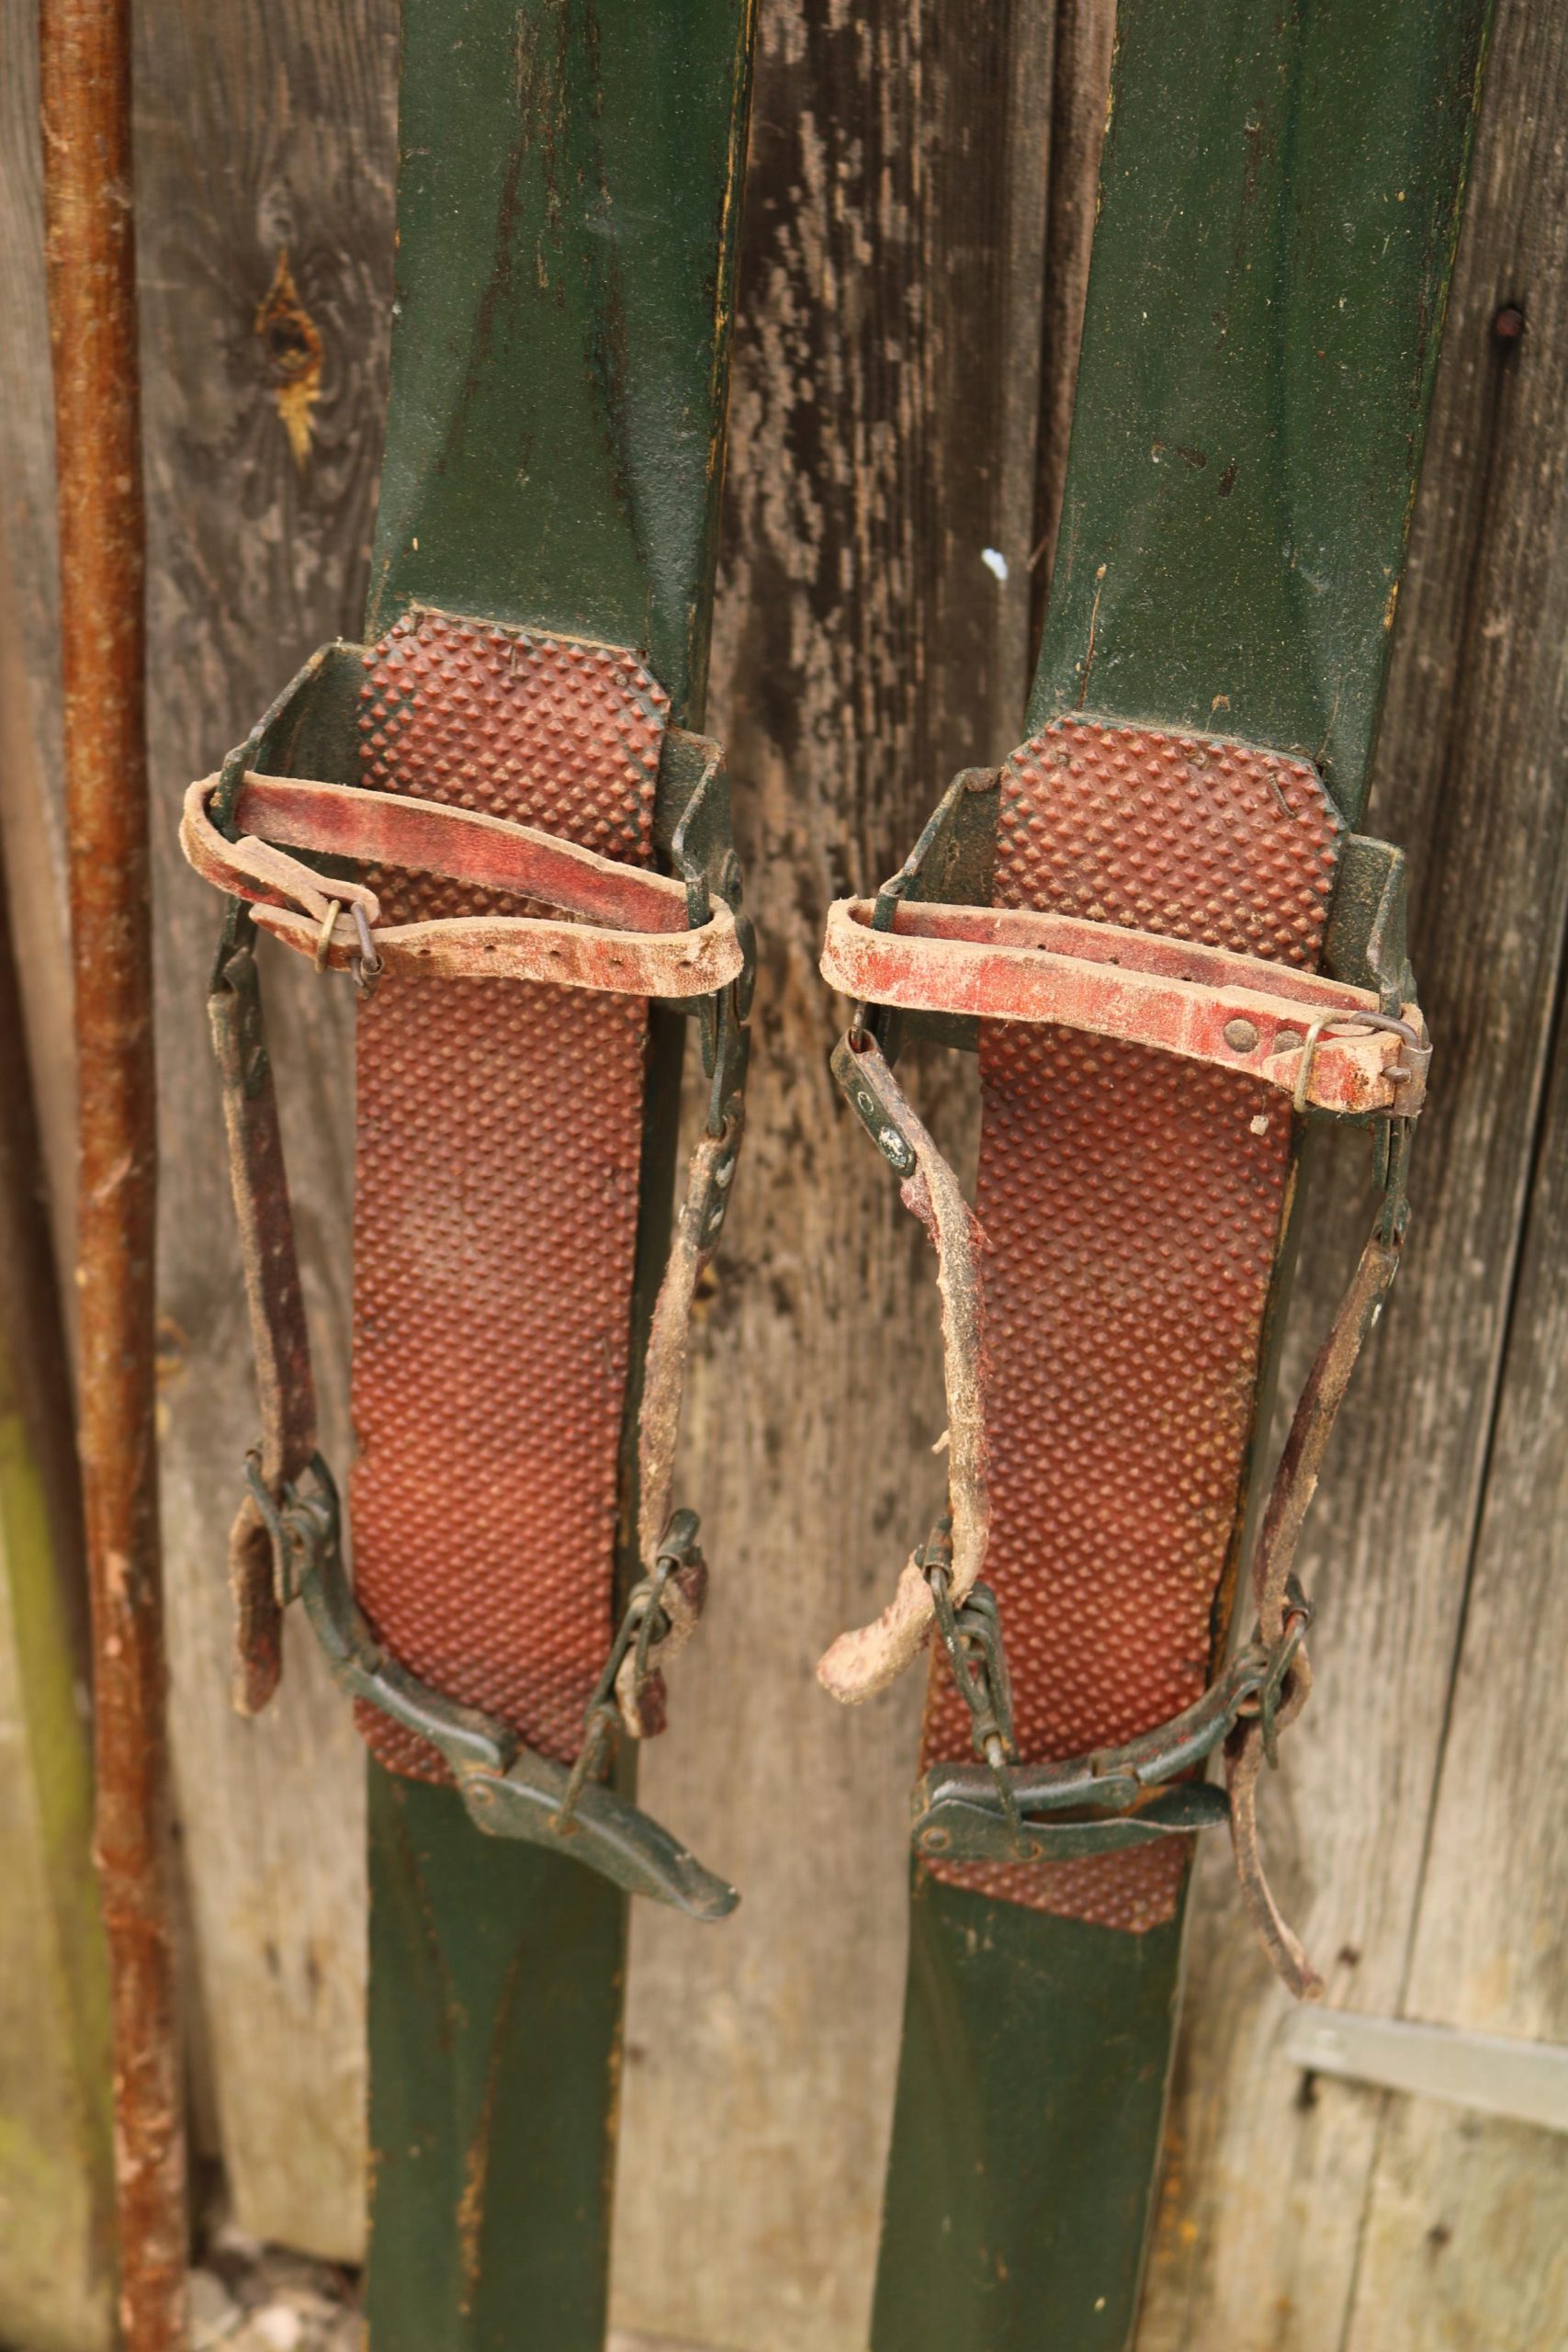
[250, 2298]
[263, 2298]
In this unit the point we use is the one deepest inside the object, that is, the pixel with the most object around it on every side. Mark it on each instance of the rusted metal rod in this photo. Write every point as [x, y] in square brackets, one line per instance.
[85, 82]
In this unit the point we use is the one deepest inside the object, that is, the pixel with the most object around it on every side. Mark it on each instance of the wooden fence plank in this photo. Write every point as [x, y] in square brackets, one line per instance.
[1265, 2199]
[31, 815]
[264, 161]
[887, 334]
[56, 2201]
[1081, 98]
[55, 2255]
[1464, 2240]
[264, 134]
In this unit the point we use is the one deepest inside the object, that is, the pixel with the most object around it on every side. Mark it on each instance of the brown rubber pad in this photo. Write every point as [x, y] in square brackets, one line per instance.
[500, 1146]
[1133, 1204]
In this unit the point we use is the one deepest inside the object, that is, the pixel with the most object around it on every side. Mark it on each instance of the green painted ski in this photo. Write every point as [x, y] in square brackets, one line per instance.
[1280, 198]
[567, 209]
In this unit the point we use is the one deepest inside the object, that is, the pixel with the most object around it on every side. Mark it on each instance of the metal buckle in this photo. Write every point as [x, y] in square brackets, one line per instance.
[972, 1636]
[507, 1789]
[1112, 1796]
[1403, 1073]
[366, 966]
[642, 1627]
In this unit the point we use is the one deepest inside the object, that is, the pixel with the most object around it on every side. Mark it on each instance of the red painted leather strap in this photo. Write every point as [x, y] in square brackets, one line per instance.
[1237, 1011]
[638, 942]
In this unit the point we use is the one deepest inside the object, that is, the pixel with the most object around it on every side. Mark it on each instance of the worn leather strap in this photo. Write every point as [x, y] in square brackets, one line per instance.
[1250, 1746]
[1327, 1045]
[866, 1660]
[305, 908]
[285, 1388]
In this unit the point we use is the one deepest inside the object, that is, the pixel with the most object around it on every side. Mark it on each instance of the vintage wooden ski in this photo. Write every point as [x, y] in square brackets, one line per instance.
[1169, 945]
[497, 817]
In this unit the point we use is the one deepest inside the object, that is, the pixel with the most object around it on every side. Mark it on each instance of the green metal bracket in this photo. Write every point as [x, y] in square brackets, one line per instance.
[508, 1791]
[1368, 923]
[1112, 1797]
[699, 846]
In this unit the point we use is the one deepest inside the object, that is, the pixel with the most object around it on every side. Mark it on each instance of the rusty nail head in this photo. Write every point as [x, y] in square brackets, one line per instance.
[1241, 1034]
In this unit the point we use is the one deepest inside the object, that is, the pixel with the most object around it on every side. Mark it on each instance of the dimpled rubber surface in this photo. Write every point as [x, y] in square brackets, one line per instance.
[1132, 1203]
[500, 1145]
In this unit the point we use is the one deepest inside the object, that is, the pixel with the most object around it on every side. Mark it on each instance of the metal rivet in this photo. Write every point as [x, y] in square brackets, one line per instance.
[1241, 1035]
[1288, 1041]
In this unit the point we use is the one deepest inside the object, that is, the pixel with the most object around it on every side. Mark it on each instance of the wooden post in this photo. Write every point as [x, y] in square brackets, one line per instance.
[86, 84]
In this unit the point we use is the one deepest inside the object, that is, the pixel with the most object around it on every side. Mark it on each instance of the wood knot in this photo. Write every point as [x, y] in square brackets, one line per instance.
[293, 345]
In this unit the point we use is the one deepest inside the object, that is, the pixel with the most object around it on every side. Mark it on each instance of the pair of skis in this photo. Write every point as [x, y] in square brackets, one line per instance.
[1156, 925]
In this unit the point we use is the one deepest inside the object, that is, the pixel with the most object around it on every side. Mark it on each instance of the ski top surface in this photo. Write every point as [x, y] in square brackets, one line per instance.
[1279, 201]
[519, 727]
[568, 205]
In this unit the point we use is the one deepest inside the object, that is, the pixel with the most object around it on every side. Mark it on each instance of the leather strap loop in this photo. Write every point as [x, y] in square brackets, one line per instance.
[1240, 1012]
[634, 941]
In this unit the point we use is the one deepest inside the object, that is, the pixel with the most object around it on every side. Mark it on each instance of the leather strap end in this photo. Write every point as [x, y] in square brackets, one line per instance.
[256, 1667]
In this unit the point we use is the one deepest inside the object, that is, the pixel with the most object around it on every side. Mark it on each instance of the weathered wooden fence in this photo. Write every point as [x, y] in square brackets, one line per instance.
[902, 393]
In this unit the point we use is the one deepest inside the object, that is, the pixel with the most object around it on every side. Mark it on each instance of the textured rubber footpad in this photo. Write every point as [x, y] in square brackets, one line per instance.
[1133, 1204]
[500, 1146]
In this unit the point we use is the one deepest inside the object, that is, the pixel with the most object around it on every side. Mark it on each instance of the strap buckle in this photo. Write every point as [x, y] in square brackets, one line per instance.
[972, 1636]
[507, 1789]
[1326, 1045]
[629, 1693]
[1110, 1797]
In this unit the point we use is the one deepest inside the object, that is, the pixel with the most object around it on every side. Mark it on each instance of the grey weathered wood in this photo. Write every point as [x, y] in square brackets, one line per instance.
[264, 134]
[886, 342]
[55, 2153]
[261, 131]
[55, 2188]
[29, 702]
[1463, 2241]
[1264, 2216]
